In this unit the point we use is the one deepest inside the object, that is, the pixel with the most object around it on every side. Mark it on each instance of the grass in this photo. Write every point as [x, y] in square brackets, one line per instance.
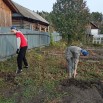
[41, 82]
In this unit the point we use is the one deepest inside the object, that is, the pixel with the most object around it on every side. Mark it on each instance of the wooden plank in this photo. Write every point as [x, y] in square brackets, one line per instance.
[5, 15]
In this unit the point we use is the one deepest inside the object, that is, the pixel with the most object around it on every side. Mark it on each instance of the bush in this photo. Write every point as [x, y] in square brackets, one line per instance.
[51, 40]
[97, 45]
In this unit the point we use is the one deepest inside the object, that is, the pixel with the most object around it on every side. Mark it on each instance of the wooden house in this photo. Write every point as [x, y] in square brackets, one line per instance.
[92, 29]
[93, 35]
[27, 19]
[12, 13]
[6, 10]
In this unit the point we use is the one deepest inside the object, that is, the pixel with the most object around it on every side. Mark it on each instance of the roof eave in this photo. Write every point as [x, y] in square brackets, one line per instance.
[94, 25]
[11, 5]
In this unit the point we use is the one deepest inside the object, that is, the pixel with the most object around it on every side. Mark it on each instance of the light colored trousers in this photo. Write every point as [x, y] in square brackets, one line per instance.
[72, 66]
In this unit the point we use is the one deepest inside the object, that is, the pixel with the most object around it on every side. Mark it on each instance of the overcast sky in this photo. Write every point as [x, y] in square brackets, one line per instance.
[95, 5]
[46, 5]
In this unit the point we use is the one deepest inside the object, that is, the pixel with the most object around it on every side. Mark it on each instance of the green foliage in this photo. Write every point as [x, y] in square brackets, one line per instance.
[51, 40]
[96, 17]
[97, 45]
[59, 45]
[70, 18]
[38, 56]
[76, 43]
[101, 29]
[6, 100]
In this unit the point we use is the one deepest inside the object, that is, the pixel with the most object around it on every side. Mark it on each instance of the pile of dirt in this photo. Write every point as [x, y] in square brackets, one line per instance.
[79, 91]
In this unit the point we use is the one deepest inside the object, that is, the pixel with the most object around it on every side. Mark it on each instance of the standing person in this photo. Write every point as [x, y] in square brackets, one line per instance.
[72, 57]
[21, 49]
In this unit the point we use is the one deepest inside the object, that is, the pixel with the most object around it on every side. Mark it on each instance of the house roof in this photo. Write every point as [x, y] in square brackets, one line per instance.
[29, 13]
[10, 5]
[94, 25]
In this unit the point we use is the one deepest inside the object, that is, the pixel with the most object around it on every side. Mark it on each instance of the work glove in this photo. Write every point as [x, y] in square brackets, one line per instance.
[17, 51]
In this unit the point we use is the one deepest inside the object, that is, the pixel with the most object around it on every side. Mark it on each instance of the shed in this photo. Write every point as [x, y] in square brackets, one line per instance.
[92, 29]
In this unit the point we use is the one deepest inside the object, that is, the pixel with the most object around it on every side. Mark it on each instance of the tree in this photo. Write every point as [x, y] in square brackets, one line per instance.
[47, 16]
[70, 18]
[97, 18]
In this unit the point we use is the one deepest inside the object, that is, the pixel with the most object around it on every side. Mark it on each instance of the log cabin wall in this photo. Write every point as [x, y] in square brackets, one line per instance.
[5, 15]
[29, 25]
[16, 23]
[23, 24]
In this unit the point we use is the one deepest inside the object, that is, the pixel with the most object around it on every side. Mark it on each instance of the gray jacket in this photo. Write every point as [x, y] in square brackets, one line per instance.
[72, 52]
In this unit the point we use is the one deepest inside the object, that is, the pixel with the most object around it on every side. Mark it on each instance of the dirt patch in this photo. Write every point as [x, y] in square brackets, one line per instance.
[79, 91]
[7, 76]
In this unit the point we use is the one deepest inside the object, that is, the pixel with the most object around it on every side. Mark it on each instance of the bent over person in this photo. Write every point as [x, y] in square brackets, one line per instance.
[21, 49]
[72, 57]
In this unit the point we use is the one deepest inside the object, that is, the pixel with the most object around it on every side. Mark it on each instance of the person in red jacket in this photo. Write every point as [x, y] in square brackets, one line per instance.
[21, 49]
